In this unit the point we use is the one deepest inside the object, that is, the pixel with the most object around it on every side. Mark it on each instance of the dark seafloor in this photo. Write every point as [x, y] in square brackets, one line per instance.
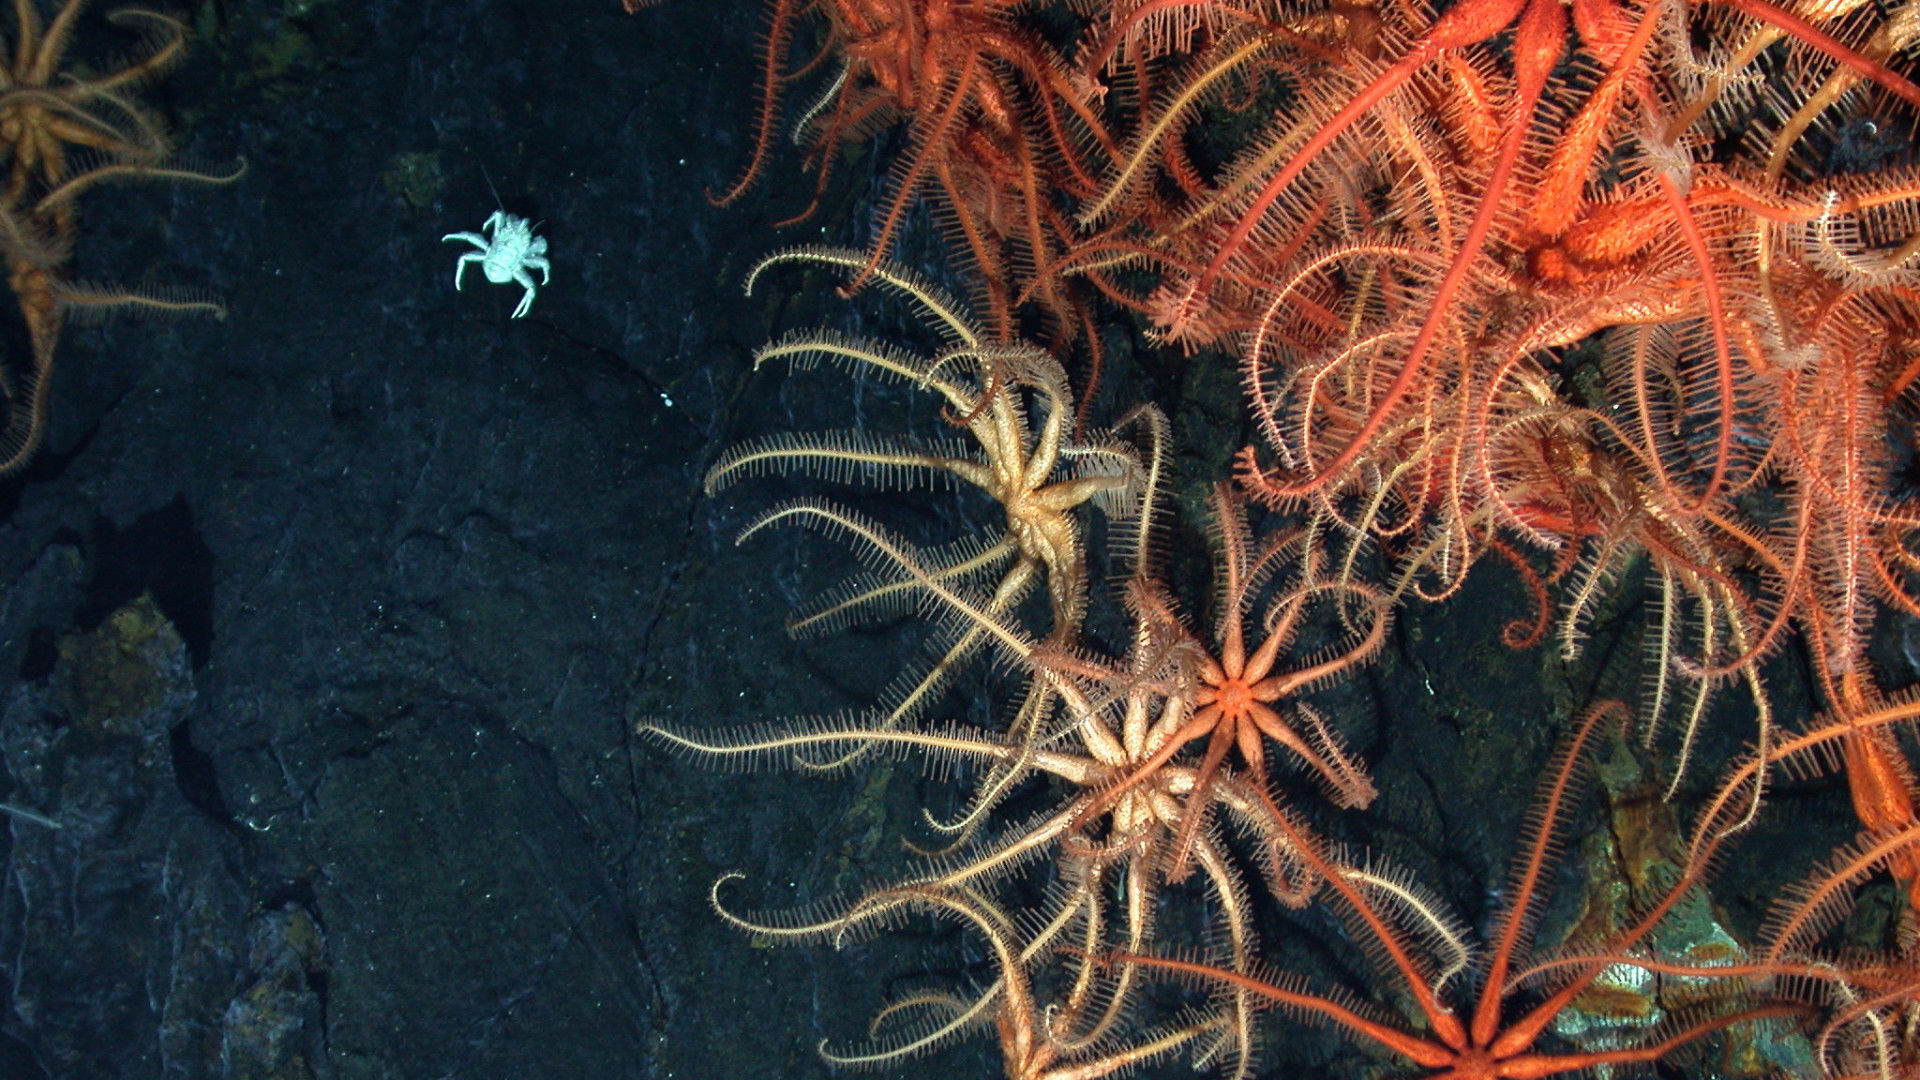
[324, 628]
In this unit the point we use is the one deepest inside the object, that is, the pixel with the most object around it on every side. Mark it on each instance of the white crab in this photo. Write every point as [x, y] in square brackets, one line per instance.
[507, 257]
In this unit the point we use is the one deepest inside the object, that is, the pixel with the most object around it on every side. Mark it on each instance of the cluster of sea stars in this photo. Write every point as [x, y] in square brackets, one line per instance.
[63, 132]
[1593, 282]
